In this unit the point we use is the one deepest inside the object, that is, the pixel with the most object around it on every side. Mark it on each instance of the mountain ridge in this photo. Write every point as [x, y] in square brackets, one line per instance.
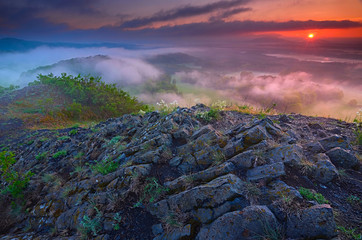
[19, 45]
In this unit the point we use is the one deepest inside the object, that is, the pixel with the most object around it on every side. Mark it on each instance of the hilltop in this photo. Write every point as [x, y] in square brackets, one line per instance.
[184, 173]
[58, 101]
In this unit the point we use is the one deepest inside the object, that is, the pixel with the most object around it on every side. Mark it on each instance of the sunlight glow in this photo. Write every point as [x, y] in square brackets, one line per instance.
[311, 35]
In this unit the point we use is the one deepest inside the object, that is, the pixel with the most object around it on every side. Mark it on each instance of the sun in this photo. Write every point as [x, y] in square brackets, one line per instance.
[310, 35]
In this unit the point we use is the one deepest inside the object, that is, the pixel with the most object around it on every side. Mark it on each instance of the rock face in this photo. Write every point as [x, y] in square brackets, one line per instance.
[207, 196]
[313, 223]
[250, 223]
[289, 154]
[266, 172]
[343, 158]
[178, 176]
[335, 141]
[325, 170]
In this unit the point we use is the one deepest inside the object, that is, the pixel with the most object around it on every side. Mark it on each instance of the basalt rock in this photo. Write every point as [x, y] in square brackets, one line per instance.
[176, 176]
[250, 223]
[316, 222]
[343, 158]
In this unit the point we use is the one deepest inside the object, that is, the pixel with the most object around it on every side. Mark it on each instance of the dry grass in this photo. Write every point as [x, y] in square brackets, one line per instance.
[289, 205]
[307, 167]
[175, 219]
[252, 192]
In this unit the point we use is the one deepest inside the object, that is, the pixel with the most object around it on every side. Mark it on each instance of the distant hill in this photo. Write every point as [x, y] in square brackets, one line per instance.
[83, 66]
[19, 45]
[168, 63]
[53, 100]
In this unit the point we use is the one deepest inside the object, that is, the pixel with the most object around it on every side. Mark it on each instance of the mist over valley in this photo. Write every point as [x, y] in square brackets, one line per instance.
[255, 72]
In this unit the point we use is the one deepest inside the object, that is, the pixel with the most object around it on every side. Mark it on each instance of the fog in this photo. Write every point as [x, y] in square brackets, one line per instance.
[122, 64]
[296, 92]
[324, 82]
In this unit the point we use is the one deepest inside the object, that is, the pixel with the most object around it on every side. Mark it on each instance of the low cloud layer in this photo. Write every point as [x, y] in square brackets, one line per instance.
[296, 92]
[122, 66]
[296, 83]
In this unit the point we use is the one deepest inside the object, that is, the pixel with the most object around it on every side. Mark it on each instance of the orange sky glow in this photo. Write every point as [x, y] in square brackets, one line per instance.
[322, 33]
[289, 18]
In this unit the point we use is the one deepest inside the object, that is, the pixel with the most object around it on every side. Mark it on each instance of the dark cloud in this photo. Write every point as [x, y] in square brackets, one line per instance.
[240, 27]
[14, 14]
[234, 11]
[206, 29]
[229, 13]
[80, 6]
[187, 11]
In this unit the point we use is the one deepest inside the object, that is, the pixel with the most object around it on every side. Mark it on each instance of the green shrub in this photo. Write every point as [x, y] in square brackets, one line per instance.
[90, 94]
[43, 139]
[152, 191]
[73, 132]
[77, 169]
[105, 166]
[117, 218]
[61, 153]
[15, 182]
[352, 199]
[261, 115]
[114, 140]
[4, 90]
[79, 155]
[41, 156]
[309, 195]
[350, 233]
[91, 225]
[209, 115]
[46, 105]
[63, 138]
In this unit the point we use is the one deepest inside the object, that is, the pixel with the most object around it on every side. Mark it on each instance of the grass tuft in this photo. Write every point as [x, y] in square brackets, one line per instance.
[309, 195]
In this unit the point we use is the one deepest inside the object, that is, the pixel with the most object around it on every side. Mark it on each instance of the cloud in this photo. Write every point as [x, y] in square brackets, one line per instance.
[239, 27]
[295, 92]
[126, 71]
[24, 14]
[123, 66]
[182, 12]
[229, 13]
[234, 11]
[218, 28]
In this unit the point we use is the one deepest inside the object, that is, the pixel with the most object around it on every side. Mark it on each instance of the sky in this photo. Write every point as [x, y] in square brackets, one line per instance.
[117, 20]
[303, 55]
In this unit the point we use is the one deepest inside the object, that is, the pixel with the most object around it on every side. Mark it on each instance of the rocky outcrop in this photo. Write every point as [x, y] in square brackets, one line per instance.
[250, 223]
[343, 158]
[324, 171]
[266, 172]
[211, 196]
[175, 176]
[313, 223]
